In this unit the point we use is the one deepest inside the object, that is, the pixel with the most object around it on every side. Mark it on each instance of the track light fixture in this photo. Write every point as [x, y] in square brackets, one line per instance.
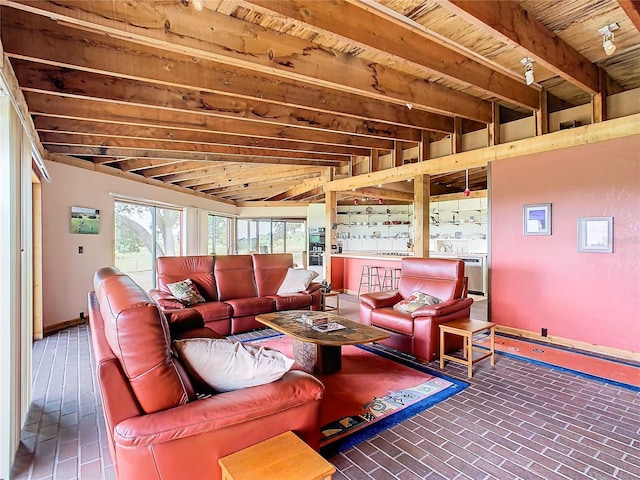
[607, 38]
[528, 69]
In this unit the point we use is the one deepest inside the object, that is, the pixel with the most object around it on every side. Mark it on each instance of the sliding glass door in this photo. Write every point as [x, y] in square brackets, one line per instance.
[143, 233]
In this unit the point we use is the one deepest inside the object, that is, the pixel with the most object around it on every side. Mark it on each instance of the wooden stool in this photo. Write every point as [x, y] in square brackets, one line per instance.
[329, 308]
[390, 278]
[370, 278]
[284, 457]
[467, 328]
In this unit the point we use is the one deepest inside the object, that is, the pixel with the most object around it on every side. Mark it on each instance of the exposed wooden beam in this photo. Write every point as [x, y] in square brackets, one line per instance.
[99, 141]
[511, 23]
[542, 114]
[173, 27]
[87, 165]
[380, 192]
[493, 129]
[300, 189]
[36, 38]
[456, 136]
[87, 109]
[632, 9]
[378, 29]
[96, 127]
[77, 84]
[616, 128]
[175, 155]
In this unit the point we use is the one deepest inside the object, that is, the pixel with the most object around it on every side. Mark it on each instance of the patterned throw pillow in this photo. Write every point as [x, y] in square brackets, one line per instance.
[186, 291]
[415, 301]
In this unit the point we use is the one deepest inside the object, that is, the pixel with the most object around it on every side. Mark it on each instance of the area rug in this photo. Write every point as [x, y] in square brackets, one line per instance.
[616, 372]
[372, 392]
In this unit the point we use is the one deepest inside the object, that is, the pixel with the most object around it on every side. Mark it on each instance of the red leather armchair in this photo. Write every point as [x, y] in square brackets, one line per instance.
[417, 333]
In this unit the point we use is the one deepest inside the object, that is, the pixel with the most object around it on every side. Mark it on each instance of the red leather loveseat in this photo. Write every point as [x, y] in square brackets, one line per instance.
[417, 332]
[236, 289]
[157, 427]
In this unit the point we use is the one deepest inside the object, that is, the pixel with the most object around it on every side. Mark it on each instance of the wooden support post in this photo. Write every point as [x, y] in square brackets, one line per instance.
[493, 129]
[599, 100]
[374, 160]
[397, 154]
[421, 194]
[542, 115]
[331, 210]
[425, 144]
[456, 136]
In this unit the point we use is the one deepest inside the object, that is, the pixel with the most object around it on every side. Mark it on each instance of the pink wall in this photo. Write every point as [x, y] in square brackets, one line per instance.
[542, 281]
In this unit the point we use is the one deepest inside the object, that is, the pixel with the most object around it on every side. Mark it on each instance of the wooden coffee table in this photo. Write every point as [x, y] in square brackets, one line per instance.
[320, 352]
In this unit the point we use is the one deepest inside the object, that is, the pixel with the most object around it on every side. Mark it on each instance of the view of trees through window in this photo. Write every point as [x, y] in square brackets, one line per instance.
[268, 235]
[143, 233]
[219, 235]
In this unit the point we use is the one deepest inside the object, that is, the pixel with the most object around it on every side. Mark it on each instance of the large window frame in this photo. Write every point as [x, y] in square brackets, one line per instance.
[220, 234]
[259, 235]
[151, 226]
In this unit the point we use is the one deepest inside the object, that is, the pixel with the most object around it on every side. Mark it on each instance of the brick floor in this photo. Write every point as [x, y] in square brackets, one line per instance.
[516, 420]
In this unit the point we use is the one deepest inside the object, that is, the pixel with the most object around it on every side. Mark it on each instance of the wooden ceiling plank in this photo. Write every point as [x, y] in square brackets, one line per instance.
[374, 28]
[40, 39]
[116, 142]
[192, 168]
[92, 127]
[513, 24]
[173, 27]
[74, 83]
[77, 108]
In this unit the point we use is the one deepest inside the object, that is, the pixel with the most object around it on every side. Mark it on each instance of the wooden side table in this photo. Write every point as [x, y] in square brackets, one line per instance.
[467, 328]
[329, 308]
[284, 457]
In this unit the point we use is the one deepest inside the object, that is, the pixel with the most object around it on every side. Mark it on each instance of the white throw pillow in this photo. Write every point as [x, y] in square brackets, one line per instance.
[296, 281]
[226, 365]
[186, 292]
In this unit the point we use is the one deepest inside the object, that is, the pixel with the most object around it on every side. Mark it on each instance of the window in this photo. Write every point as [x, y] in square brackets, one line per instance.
[219, 235]
[143, 233]
[268, 235]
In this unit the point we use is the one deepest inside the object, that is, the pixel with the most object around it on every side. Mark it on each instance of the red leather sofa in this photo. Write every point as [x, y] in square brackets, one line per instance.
[236, 287]
[417, 333]
[157, 427]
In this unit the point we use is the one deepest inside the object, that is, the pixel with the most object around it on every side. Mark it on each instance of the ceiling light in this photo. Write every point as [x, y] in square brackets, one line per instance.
[198, 4]
[607, 38]
[409, 105]
[528, 69]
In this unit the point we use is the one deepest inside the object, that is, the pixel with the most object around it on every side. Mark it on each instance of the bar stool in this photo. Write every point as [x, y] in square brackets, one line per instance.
[390, 278]
[370, 278]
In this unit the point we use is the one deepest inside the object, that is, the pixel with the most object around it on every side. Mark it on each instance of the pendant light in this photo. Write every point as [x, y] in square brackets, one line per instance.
[467, 192]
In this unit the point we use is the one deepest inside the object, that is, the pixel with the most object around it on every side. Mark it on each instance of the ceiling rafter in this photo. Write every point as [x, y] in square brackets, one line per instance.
[513, 24]
[374, 28]
[240, 44]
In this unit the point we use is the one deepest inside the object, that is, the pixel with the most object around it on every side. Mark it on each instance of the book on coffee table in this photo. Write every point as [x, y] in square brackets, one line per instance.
[329, 327]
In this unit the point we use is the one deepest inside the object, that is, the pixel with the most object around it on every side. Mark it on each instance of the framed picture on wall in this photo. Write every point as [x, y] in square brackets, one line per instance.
[595, 234]
[537, 219]
[85, 220]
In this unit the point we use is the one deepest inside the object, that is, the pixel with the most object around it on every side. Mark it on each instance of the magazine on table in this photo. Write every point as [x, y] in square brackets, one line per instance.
[329, 327]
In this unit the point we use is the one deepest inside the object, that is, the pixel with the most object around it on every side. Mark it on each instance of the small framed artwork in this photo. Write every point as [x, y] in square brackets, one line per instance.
[537, 219]
[595, 234]
[85, 220]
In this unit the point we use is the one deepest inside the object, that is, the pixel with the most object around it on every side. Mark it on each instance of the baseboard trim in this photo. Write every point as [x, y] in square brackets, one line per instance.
[49, 329]
[565, 342]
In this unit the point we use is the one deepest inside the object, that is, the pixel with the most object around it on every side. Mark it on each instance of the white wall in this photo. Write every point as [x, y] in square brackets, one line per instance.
[68, 275]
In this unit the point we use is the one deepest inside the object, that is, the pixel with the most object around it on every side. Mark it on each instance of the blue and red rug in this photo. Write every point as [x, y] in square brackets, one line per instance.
[373, 391]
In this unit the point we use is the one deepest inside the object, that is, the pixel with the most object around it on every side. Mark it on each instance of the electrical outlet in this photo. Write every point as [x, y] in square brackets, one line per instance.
[544, 332]
[80, 249]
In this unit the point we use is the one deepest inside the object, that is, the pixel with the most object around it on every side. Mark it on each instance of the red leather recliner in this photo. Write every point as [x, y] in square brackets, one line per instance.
[157, 427]
[418, 333]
